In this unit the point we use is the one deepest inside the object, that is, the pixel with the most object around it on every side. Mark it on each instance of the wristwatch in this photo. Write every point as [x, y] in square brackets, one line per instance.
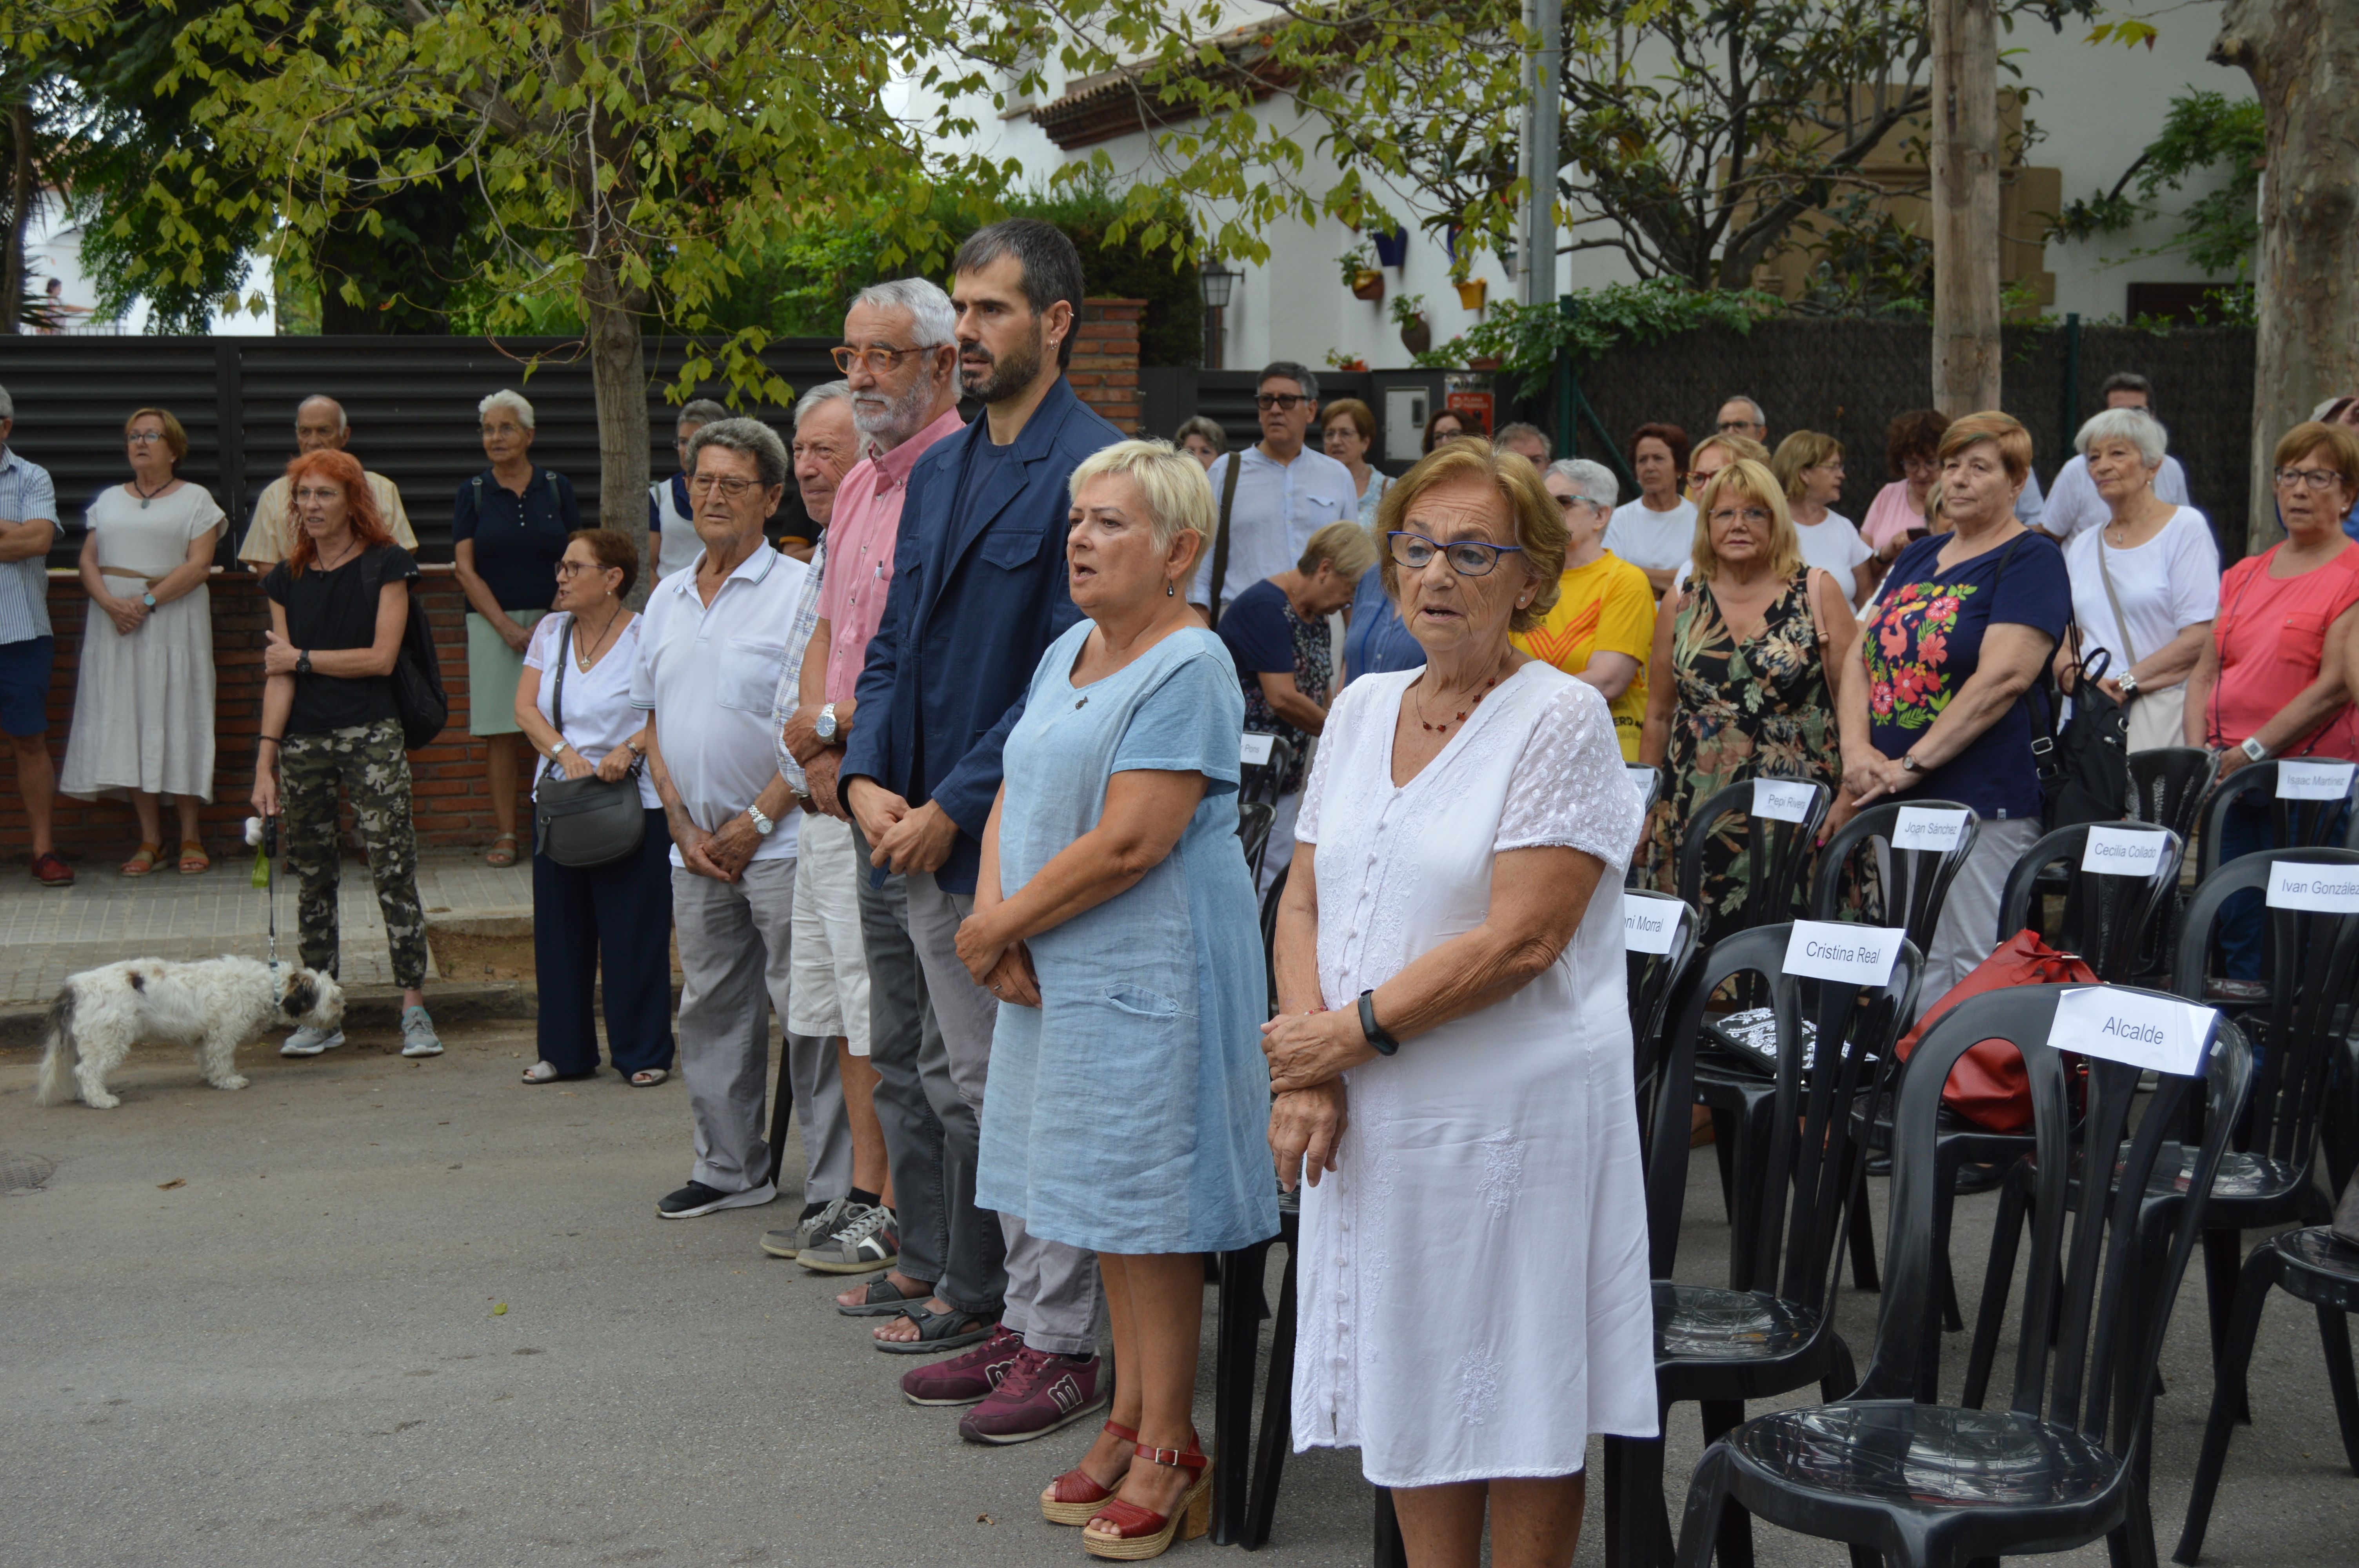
[558, 748]
[2255, 750]
[762, 823]
[1909, 764]
[303, 662]
[2129, 683]
[825, 727]
[1381, 1043]
[148, 600]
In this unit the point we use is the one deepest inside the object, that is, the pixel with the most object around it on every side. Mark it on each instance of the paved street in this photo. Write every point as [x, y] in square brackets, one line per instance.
[262, 1329]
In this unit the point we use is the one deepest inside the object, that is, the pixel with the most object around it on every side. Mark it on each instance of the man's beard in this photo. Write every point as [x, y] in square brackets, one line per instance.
[891, 421]
[998, 379]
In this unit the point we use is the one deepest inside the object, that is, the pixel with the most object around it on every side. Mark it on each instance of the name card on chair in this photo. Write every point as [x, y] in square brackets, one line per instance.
[1649, 924]
[2313, 781]
[1834, 950]
[1782, 800]
[2330, 889]
[2122, 851]
[1929, 828]
[1643, 780]
[2152, 1034]
[1253, 750]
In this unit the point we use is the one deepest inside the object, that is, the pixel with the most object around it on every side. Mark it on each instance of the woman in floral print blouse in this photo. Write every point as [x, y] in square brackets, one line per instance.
[1933, 693]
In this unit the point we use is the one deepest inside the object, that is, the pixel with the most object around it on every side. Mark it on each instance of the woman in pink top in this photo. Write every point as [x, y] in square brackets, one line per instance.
[2271, 679]
[1898, 509]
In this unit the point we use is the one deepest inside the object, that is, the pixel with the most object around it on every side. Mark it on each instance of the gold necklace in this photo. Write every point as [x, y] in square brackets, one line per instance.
[585, 658]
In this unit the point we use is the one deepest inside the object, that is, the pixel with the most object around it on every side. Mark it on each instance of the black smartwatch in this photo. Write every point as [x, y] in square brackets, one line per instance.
[303, 662]
[1381, 1043]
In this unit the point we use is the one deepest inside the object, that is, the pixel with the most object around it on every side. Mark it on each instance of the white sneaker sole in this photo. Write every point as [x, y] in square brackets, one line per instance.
[330, 1044]
[433, 1050]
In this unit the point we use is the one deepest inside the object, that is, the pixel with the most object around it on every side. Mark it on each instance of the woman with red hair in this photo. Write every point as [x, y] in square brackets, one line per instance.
[339, 604]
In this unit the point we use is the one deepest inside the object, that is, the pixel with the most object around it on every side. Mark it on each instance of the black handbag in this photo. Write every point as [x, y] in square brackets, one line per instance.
[2084, 762]
[584, 822]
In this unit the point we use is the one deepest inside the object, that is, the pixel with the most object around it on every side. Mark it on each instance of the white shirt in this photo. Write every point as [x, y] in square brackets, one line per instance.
[709, 673]
[1833, 545]
[675, 527]
[1277, 507]
[2166, 585]
[1649, 540]
[598, 712]
[2073, 504]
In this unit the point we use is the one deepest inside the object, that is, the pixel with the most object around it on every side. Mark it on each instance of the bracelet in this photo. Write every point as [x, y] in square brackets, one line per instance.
[272, 738]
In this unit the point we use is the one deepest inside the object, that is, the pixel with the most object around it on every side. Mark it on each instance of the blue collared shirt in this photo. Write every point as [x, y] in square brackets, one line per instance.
[26, 493]
[1377, 642]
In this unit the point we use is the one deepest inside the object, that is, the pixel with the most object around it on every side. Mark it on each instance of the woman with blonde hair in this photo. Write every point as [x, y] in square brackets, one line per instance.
[1809, 464]
[1741, 681]
[1114, 922]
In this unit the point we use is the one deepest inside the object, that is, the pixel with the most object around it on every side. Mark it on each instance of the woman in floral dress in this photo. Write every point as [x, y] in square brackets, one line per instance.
[1741, 683]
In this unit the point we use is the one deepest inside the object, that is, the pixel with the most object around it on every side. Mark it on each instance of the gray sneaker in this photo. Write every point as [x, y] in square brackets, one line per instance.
[790, 1242]
[309, 1042]
[868, 1243]
[417, 1038]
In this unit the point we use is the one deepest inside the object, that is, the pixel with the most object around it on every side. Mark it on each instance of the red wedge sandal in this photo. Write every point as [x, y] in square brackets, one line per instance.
[1074, 1498]
[1124, 1532]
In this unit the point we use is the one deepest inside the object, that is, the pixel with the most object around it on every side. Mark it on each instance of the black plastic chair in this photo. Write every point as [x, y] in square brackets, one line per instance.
[2310, 1265]
[1247, 1467]
[2167, 786]
[1654, 979]
[2064, 1464]
[2267, 1178]
[1774, 855]
[1650, 790]
[1259, 781]
[1771, 1330]
[1254, 818]
[2293, 824]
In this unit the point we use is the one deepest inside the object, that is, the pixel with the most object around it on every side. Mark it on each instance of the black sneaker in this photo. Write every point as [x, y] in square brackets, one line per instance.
[696, 1199]
[868, 1243]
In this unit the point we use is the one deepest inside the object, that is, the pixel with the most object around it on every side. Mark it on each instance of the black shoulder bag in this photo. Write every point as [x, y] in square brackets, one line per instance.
[1221, 534]
[2082, 756]
[591, 821]
[418, 696]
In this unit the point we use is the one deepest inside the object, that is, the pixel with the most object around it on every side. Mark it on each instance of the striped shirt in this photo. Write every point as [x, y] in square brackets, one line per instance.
[789, 696]
[26, 493]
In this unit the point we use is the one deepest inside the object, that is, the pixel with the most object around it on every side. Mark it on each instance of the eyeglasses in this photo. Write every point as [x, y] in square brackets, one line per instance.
[575, 569]
[1284, 402]
[2319, 479]
[1696, 479]
[323, 496]
[1467, 557]
[730, 486]
[1731, 426]
[1567, 501]
[878, 360]
[1728, 514]
[145, 437]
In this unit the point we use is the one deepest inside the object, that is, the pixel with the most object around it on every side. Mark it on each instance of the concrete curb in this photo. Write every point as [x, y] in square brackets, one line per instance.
[369, 1006]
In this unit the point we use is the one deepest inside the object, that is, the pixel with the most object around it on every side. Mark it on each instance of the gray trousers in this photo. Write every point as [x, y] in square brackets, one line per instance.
[957, 1252]
[735, 943]
[1968, 931]
[1052, 1289]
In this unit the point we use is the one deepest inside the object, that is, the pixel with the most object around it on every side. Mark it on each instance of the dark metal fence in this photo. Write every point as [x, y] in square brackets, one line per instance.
[411, 401]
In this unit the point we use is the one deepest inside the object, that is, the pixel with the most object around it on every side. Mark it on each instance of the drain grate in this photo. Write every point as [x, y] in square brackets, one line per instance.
[25, 1173]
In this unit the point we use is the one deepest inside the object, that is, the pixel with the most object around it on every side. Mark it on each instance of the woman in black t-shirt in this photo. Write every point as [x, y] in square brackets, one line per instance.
[339, 604]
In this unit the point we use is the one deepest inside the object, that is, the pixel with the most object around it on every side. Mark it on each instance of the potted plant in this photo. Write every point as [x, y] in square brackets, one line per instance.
[1360, 275]
[1392, 247]
[1350, 363]
[1472, 292]
[1408, 315]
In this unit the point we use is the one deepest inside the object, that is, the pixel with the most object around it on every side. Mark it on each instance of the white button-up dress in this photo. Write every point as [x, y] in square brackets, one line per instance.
[1474, 1294]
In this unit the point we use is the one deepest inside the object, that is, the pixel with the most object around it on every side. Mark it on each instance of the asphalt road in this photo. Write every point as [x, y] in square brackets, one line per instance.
[263, 1328]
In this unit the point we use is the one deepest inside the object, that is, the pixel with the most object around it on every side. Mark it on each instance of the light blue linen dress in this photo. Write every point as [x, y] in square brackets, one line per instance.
[1129, 1112]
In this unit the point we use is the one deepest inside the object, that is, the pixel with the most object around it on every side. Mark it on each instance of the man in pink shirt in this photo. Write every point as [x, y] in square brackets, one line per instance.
[900, 356]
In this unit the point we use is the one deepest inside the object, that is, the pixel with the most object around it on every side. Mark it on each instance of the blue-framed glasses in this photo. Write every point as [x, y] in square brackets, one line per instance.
[1467, 557]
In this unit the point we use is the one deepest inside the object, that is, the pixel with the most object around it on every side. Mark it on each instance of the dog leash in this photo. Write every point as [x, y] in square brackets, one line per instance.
[261, 832]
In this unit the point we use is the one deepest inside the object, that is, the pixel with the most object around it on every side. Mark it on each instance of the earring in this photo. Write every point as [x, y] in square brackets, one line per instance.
[1170, 590]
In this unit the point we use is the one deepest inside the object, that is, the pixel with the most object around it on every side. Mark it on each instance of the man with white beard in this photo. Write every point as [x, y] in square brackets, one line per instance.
[856, 974]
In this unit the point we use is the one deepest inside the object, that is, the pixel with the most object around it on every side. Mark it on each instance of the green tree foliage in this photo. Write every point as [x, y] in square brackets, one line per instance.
[2209, 139]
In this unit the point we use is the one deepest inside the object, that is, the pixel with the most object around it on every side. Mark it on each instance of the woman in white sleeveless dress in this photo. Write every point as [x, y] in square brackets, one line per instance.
[143, 722]
[1475, 1293]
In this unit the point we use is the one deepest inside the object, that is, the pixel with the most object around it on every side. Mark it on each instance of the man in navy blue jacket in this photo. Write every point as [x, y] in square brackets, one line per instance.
[978, 594]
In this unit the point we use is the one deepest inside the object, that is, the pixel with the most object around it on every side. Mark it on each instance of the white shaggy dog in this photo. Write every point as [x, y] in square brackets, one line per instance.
[215, 1005]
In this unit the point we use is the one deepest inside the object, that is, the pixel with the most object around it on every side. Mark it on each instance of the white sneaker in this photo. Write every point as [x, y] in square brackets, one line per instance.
[418, 1037]
[309, 1042]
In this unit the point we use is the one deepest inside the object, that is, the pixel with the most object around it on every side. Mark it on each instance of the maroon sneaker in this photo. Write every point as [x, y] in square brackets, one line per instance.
[1041, 1393]
[51, 871]
[964, 1379]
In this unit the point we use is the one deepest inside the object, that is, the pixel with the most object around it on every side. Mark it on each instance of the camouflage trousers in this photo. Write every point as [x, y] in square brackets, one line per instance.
[367, 763]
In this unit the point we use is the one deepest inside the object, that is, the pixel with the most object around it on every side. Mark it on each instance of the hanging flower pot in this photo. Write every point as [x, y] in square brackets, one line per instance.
[1368, 284]
[1483, 362]
[1416, 334]
[1473, 292]
[1392, 250]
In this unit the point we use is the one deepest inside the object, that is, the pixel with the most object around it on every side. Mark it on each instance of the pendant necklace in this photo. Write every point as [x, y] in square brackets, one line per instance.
[147, 495]
[583, 659]
[1444, 726]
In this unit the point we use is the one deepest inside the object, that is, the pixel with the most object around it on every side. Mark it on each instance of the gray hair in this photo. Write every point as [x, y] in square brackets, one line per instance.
[701, 412]
[931, 316]
[1592, 481]
[747, 437]
[1298, 373]
[2136, 426]
[824, 393]
[1203, 425]
[1760, 415]
[512, 401]
[342, 423]
[1520, 432]
[2128, 380]
[8, 405]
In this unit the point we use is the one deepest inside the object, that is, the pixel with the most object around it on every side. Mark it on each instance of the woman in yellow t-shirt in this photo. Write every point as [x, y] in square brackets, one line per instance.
[1603, 623]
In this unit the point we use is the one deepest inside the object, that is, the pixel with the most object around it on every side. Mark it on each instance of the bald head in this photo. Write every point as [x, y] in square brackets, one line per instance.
[319, 425]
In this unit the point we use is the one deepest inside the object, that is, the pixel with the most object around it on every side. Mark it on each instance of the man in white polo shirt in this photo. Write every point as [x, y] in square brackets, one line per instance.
[710, 656]
[1273, 496]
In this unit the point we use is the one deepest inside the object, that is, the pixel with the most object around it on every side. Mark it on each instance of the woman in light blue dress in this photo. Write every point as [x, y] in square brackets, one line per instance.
[1114, 919]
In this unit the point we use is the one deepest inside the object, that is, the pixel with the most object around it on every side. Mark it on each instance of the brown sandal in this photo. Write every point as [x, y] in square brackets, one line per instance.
[496, 855]
[194, 861]
[143, 859]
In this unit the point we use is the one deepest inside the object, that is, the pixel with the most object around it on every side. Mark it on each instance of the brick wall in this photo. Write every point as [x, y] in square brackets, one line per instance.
[1104, 371]
[450, 805]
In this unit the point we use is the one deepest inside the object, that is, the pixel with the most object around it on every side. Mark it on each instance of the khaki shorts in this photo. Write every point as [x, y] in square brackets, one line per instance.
[492, 670]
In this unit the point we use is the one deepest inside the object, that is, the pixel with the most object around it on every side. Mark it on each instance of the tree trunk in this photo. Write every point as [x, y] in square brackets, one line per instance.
[22, 193]
[2302, 55]
[618, 369]
[1965, 207]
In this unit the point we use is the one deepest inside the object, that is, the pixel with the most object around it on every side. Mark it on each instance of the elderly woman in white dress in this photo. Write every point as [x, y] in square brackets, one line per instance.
[142, 723]
[1453, 1052]
[2146, 587]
